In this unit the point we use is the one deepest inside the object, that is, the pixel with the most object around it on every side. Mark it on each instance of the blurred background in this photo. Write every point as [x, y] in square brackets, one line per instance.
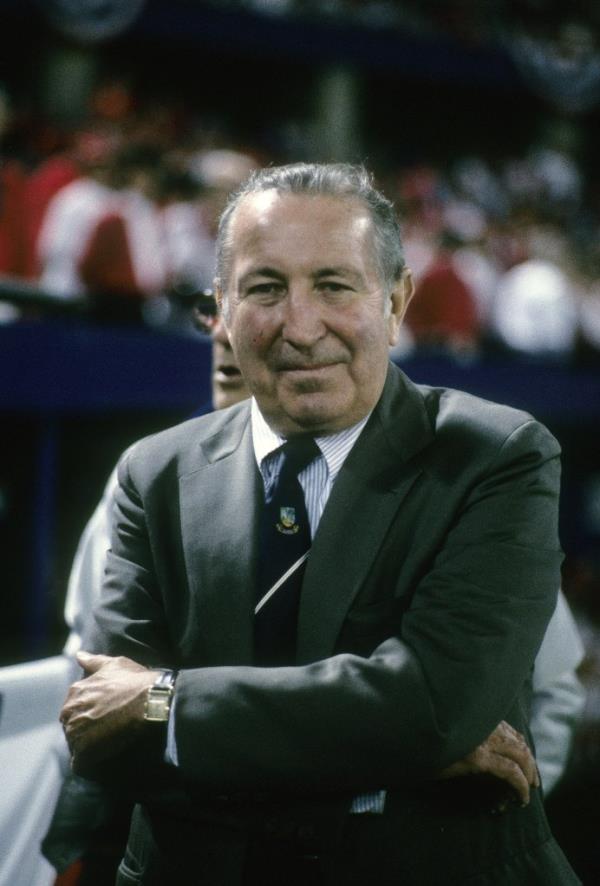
[124, 124]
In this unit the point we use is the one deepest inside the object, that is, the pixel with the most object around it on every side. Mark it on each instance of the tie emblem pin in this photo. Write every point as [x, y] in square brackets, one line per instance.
[287, 521]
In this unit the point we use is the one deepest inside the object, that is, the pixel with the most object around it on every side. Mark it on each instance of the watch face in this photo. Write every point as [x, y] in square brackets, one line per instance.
[158, 704]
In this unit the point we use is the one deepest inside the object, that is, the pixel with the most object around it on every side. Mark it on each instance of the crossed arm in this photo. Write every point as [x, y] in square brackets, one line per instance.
[103, 715]
[388, 737]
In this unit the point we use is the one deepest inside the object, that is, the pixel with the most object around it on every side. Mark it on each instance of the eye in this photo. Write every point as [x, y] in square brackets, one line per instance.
[333, 286]
[271, 286]
[267, 289]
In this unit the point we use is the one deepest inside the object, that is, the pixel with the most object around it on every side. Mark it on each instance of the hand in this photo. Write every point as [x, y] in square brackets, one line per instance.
[104, 712]
[505, 755]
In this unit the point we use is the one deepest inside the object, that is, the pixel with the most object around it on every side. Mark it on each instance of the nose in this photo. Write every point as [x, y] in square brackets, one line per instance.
[303, 322]
[219, 333]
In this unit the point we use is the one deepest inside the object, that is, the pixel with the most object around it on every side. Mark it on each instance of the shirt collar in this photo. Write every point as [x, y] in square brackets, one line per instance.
[334, 447]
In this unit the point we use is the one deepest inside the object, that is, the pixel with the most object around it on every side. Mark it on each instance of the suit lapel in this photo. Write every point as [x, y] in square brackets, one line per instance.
[219, 503]
[367, 494]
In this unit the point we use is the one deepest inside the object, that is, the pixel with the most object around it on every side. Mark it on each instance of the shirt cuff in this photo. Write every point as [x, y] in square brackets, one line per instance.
[171, 750]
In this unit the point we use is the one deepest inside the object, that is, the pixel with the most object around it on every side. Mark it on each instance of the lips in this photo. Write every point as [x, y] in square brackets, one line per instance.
[316, 367]
[291, 365]
[227, 375]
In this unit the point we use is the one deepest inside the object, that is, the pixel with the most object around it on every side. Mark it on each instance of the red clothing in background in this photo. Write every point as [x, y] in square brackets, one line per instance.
[106, 265]
[443, 310]
[12, 187]
[43, 183]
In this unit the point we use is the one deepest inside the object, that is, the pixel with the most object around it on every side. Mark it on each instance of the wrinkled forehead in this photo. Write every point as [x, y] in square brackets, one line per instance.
[264, 205]
[322, 221]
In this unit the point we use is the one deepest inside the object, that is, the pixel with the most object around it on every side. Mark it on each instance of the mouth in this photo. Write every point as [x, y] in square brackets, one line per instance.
[312, 368]
[227, 375]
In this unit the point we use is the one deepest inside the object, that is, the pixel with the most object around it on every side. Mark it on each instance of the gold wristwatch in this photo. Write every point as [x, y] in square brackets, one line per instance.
[158, 697]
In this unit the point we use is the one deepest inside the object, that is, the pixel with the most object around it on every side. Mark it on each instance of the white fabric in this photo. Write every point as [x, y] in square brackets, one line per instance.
[558, 696]
[562, 650]
[190, 249]
[534, 309]
[31, 742]
[69, 220]
[145, 234]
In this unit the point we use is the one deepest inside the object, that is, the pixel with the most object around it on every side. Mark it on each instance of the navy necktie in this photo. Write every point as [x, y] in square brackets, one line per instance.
[284, 545]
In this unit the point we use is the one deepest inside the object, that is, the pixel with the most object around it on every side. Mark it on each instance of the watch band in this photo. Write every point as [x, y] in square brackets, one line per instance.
[158, 697]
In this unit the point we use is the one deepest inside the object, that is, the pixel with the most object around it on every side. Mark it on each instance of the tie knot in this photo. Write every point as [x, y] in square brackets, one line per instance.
[298, 452]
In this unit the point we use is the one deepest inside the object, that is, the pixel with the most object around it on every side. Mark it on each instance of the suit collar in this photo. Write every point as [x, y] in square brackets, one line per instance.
[377, 475]
[220, 498]
[219, 501]
[229, 427]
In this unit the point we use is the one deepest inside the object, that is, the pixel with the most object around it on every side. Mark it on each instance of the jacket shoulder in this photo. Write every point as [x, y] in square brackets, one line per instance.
[181, 448]
[471, 433]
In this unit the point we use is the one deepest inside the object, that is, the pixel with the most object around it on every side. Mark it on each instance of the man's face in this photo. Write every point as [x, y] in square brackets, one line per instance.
[306, 310]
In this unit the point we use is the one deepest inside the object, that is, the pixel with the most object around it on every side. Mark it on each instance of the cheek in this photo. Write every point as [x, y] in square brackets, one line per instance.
[253, 344]
[369, 341]
[253, 332]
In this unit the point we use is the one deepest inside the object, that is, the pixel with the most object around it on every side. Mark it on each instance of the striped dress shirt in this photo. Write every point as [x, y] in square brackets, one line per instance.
[317, 480]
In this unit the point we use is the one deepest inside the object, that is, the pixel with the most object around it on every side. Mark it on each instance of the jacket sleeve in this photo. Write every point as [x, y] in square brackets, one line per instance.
[450, 669]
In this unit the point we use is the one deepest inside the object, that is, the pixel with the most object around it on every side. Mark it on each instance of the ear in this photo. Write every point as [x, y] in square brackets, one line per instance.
[218, 291]
[220, 299]
[401, 295]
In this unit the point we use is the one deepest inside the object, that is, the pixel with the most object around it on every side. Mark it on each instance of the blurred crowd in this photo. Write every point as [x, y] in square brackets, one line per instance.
[471, 22]
[121, 211]
[505, 255]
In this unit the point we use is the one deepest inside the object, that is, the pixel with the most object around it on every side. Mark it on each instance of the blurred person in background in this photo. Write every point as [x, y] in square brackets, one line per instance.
[589, 311]
[12, 189]
[195, 186]
[219, 171]
[443, 317]
[535, 311]
[190, 249]
[87, 836]
[73, 212]
[125, 261]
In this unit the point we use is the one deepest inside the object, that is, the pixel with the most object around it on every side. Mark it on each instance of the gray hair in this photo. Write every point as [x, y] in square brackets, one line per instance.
[341, 180]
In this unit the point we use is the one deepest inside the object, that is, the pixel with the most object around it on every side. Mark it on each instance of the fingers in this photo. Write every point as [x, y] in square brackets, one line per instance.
[505, 756]
[92, 663]
[512, 773]
[509, 743]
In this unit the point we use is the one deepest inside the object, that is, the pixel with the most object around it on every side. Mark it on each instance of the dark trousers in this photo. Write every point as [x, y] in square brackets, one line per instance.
[274, 854]
[269, 864]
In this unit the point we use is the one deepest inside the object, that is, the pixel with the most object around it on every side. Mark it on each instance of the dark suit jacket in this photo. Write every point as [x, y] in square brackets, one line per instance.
[431, 579]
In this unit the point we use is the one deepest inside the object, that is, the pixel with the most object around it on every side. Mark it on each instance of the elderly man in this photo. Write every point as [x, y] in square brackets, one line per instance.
[351, 627]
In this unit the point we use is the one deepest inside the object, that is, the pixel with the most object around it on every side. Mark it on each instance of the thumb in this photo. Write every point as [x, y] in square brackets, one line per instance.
[91, 663]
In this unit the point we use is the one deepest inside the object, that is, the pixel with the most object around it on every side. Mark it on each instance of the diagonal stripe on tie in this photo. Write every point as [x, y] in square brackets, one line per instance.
[281, 581]
[284, 547]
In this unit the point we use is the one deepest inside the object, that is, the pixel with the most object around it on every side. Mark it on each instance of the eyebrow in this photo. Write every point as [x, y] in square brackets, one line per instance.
[261, 272]
[273, 273]
[340, 271]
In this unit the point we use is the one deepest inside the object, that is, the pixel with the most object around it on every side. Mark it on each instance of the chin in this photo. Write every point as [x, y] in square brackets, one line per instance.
[316, 420]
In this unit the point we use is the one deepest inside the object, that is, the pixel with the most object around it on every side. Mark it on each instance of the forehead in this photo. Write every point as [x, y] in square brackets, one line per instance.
[302, 228]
